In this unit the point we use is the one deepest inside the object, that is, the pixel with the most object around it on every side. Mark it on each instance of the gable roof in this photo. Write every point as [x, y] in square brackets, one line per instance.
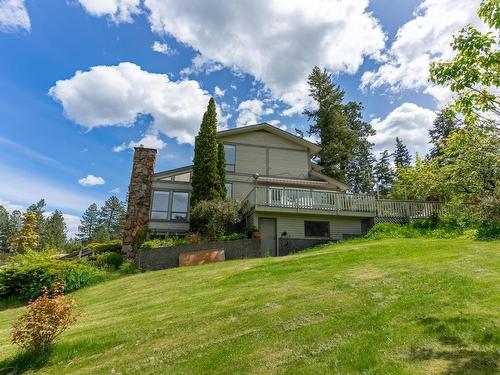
[312, 147]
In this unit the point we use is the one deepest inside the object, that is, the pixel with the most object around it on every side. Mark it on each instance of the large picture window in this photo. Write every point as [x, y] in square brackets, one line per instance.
[230, 153]
[159, 210]
[179, 206]
[317, 228]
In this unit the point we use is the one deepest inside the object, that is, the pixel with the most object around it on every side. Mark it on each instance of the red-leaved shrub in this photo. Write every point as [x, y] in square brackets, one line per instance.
[47, 317]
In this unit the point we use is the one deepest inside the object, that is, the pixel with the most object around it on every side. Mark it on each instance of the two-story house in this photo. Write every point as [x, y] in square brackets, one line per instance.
[287, 197]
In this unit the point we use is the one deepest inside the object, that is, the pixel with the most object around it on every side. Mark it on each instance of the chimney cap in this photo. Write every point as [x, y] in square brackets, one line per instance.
[142, 148]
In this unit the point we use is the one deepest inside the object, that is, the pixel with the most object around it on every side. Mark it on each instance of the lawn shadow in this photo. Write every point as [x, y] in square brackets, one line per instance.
[23, 362]
[460, 359]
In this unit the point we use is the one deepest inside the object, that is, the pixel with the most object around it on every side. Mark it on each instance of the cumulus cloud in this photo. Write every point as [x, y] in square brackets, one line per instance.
[117, 10]
[116, 190]
[148, 141]
[280, 51]
[91, 180]
[250, 112]
[72, 223]
[219, 92]
[410, 123]
[116, 95]
[418, 42]
[162, 48]
[14, 16]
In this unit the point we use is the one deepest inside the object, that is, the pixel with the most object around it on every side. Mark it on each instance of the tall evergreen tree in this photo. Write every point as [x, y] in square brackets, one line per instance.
[331, 124]
[55, 231]
[443, 125]
[205, 179]
[402, 158]
[360, 166]
[112, 216]
[15, 226]
[221, 167]
[88, 223]
[27, 238]
[38, 209]
[4, 229]
[384, 173]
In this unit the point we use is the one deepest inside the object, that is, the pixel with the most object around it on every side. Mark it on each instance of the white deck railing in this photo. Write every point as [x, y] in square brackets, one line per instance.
[309, 199]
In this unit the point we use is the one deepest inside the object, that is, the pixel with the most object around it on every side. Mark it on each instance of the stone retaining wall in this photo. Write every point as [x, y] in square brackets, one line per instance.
[168, 257]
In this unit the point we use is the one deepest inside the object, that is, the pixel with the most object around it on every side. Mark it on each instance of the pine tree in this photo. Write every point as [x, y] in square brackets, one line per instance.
[27, 238]
[15, 226]
[384, 173]
[360, 167]
[443, 125]
[331, 124]
[39, 209]
[112, 217]
[4, 229]
[55, 231]
[221, 167]
[101, 234]
[402, 158]
[205, 179]
[88, 223]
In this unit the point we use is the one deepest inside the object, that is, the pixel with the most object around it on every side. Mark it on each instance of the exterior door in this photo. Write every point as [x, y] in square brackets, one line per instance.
[267, 227]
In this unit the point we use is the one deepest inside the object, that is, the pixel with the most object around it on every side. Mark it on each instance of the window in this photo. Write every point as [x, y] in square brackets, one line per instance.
[317, 228]
[185, 177]
[230, 153]
[159, 210]
[179, 206]
[229, 189]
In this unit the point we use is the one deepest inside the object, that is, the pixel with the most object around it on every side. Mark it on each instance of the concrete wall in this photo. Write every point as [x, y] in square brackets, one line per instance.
[293, 245]
[168, 257]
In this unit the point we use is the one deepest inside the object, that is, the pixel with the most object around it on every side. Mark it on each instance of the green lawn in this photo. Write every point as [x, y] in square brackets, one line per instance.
[405, 306]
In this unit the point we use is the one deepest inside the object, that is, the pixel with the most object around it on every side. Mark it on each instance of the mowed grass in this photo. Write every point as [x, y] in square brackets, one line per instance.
[405, 306]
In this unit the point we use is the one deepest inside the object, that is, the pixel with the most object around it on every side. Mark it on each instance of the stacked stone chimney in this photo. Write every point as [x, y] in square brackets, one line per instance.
[139, 198]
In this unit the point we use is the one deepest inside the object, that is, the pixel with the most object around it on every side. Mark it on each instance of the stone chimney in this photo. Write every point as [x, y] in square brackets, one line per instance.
[139, 198]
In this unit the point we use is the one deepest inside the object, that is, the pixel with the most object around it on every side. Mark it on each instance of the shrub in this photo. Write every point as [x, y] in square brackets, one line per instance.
[194, 237]
[167, 242]
[47, 317]
[113, 245]
[489, 231]
[215, 217]
[233, 236]
[128, 267]
[25, 274]
[108, 260]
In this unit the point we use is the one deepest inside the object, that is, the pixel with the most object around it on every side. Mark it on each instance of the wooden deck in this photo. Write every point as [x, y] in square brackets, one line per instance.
[329, 202]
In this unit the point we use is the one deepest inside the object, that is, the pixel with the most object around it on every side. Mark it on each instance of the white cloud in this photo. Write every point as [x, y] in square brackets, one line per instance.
[116, 190]
[11, 206]
[162, 48]
[418, 42]
[91, 180]
[218, 91]
[14, 16]
[116, 95]
[148, 141]
[280, 51]
[72, 223]
[117, 10]
[250, 112]
[410, 123]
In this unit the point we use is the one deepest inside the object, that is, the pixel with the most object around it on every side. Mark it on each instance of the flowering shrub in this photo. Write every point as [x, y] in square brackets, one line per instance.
[216, 217]
[47, 317]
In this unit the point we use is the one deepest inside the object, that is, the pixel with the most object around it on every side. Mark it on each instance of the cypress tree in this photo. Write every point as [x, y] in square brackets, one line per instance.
[402, 158]
[384, 173]
[221, 167]
[205, 179]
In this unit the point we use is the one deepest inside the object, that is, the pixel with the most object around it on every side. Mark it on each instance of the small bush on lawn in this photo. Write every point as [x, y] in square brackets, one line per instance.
[489, 231]
[113, 245]
[167, 242]
[47, 317]
[25, 275]
[108, 260]
[128, 267]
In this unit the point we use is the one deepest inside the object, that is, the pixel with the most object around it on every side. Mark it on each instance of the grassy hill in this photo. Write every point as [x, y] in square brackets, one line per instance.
[374, 307]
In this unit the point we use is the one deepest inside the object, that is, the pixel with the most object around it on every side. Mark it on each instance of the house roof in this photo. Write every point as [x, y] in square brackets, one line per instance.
[312, 147]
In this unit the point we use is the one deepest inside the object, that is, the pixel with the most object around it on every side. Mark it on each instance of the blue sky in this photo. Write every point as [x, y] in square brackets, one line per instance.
[66, 136]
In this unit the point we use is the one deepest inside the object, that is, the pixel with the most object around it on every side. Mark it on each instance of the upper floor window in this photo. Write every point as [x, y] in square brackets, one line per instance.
[159, 211]
[230, 153]
[185, 177]
[179, 206]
